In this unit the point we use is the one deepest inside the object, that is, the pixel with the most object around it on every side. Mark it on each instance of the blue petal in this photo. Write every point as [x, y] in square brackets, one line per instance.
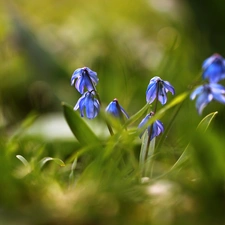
[112, 109]
[151, 84]
[87, 83]
[217, 88]
[214, 68]
[80, 84]
[162, 96]
[115, 109]
[93, 75]
[211, 59]
[144, 121]
[196, 92]
[77, 73]
[160, 126]
[214, 72]
[219, 97]
[92, 106]
[208, 61]
[151, 93]
[80, 104]
[76, 107]
[124, 112]
[89, 105]
[96, 107]
[84, 78]
[202, 101]
[169, 87]
[164, 87]
[157, 129]
[155, 79]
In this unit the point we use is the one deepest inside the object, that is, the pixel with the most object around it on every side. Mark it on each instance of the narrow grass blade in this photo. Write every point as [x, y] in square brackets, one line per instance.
[202, 126]
[23, 160]
[137, 115]
[47, 159]
[180, 98]
[206, 121]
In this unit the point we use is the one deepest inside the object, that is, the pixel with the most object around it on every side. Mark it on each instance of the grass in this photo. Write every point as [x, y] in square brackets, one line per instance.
[88, 176]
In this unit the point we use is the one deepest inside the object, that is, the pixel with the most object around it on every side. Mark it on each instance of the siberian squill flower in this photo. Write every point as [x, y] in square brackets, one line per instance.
[214, 68]
[88, 103]
[206, 93]
[115, 109]
[84, 78]
[158, 88]
[155, 129]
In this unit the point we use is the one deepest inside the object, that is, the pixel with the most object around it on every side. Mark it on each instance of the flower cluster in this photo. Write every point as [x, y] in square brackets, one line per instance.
[213, 72]
[89, 103]
[85, 78]
[156, 90]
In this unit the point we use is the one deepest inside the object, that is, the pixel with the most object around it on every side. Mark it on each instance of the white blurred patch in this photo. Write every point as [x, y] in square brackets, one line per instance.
[163, 5]
[54, 126]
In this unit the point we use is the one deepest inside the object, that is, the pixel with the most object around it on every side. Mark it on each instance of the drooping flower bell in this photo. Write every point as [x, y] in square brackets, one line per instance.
[89, 103]
[206, 93]
[214, 68]
[84, 78]
[155, 129]
[158, 88]
[115, 109]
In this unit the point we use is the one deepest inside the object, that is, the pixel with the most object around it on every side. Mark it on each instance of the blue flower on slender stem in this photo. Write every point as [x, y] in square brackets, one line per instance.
[155, 129]
[84, 78]
[206, 93]
[214, 68]
[158, 88]
[89, 103]
[115, 109]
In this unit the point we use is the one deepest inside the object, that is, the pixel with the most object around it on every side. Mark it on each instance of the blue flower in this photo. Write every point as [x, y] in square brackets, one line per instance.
[115, 109]
[158, 88]
[214, 68]
[84, 78]
[206, 93]
[90, 103]
[155, 129]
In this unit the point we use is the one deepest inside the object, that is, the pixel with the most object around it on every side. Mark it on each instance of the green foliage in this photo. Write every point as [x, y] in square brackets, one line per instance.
[88, 176]
[79, 128]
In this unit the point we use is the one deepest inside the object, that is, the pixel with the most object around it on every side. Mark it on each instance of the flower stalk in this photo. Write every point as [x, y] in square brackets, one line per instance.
[157, 90]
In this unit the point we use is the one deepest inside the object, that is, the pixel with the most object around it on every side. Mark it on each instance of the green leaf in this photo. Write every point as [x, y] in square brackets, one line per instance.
[208, 156]
[73, 167]
[78, 126]
[205, 122]
[137, 115]
[25, 170]
[202, 126]
[23, 160]
[146, 155]
[47, 159]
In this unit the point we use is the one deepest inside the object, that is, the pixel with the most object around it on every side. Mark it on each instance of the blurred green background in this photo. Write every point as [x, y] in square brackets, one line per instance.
[126, 43]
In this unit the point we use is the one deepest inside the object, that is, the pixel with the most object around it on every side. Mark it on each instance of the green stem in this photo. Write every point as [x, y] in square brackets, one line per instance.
[150, 148]
[150, 132]
[98, 97]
